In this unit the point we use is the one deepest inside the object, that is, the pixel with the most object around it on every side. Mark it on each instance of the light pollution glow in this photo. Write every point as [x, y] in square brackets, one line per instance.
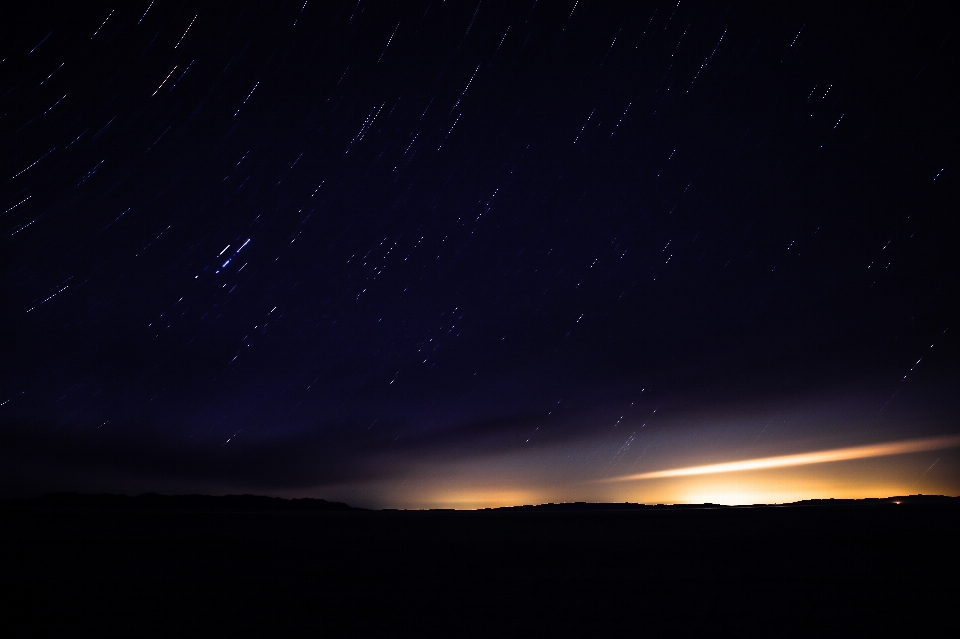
[804, 459]
[858, 472]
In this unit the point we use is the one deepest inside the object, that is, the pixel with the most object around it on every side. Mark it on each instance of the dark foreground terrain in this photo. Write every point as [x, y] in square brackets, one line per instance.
[153, 566]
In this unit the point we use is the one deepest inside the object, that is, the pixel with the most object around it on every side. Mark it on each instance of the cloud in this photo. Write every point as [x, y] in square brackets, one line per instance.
[804, 459]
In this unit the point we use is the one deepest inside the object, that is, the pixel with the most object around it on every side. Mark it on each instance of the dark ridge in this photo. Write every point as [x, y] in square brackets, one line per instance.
[242, 565]
[153, 501]
[925, 500]
[260, 503]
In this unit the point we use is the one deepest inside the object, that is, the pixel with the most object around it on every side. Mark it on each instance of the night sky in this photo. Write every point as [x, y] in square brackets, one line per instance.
[461, 254]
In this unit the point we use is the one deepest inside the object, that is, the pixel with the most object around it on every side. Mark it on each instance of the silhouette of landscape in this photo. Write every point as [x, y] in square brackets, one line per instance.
[101, 565]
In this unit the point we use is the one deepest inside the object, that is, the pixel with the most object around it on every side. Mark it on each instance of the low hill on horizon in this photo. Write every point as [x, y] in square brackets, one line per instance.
[248, 502]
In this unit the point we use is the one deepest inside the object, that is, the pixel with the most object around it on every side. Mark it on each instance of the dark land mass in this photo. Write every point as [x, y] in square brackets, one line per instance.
[105, 565]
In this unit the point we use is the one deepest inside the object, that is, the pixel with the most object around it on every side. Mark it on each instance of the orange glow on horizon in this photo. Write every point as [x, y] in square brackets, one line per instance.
[804, 459]
[886, 469]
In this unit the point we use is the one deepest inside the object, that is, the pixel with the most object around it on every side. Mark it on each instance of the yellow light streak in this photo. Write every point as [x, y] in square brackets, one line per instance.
[803, 459]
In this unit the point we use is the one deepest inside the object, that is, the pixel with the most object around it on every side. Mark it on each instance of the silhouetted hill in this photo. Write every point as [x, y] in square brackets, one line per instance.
[108, 565]
[587, 507]
[239, 503]
[153, 501]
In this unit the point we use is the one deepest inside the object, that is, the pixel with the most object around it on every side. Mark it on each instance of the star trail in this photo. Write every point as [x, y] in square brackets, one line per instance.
[464, 254]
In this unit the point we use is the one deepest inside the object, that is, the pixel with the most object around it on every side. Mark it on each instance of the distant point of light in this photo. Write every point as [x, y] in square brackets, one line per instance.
[803, 459]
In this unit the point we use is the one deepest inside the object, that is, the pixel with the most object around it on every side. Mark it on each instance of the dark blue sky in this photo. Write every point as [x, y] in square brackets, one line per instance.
[299, 249]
